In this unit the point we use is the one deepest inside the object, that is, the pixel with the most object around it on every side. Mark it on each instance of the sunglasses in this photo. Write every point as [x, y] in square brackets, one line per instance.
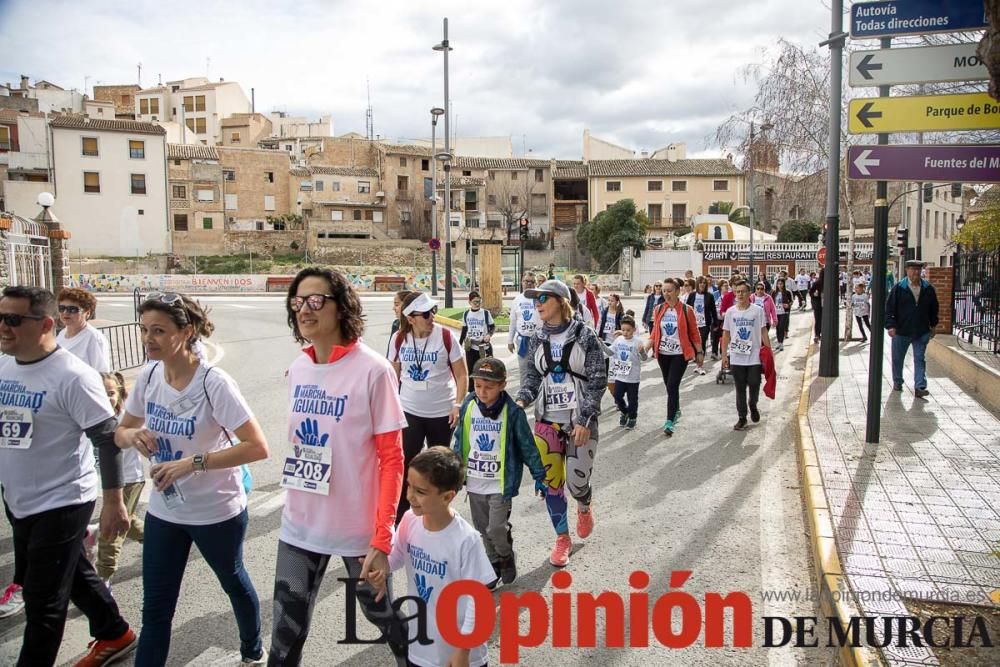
[15, 320]
[426, 314]
[72, 310]
[476, 302]
[165, 297]
[542, 298]
[313, 301]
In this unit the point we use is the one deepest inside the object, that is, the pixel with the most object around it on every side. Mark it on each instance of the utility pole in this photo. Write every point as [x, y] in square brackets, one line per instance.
[448, 296]
[828, 353]
[881, 258]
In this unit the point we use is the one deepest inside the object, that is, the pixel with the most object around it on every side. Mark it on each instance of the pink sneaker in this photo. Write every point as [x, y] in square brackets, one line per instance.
[560, 552]
[12, 601]
[584, 522]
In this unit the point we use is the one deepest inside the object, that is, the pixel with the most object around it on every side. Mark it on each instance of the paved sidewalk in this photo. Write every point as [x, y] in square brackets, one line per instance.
[916, 515]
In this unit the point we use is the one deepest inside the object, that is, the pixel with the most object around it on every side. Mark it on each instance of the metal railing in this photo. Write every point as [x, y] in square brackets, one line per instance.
[125, 341]
[976, 299]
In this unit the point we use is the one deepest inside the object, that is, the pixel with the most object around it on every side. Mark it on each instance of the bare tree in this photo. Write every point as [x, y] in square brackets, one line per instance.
[510, 196]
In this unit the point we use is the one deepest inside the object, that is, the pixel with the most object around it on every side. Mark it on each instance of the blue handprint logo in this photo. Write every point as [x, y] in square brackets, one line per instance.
[558, 374]
[744, 333]
[699, 307]
[308, 433]
[416, 374]
[526, 315]
[623, 354]
[670, 328]
[423, 590]
[485, 443]
[165, 452]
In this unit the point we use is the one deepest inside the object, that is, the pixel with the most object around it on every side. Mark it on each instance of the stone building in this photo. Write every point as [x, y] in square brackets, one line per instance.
[122, 96]
[407, 182]
[197, 215]
[244, 129]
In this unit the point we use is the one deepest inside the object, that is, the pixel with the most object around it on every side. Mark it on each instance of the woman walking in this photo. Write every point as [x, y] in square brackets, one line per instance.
[76, 308]
[180, 413]
[611, 320]
[782, 307]
[764, 300]
[676, 341]
[654, 299]
[705, 314]
[566, 383]
[344, 394]
[430, 365]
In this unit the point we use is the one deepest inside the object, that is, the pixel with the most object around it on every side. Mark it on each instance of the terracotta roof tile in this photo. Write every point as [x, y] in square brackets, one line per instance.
[649, 167]
[570, 169]
[501, 164]
[191, 152]
[74, 122]
[408, 149]
[467, 181]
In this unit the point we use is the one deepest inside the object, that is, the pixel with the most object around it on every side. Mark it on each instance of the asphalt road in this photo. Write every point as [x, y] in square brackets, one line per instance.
[722, 504]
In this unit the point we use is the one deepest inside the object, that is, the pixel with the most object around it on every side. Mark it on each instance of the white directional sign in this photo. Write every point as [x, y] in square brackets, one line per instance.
[930, 64]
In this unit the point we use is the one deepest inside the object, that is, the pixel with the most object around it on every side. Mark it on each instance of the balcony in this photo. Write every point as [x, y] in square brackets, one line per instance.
[667, 222]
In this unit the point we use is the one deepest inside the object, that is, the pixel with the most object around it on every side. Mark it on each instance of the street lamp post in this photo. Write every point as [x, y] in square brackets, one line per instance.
[444, 47]
[435, 113]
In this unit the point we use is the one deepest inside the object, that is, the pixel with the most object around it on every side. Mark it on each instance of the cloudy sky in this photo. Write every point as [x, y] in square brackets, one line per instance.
[641, 73]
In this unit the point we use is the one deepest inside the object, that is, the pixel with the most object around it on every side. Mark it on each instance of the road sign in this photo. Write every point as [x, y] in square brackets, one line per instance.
[821, 256]
[924, 113]
[930, 64]
[964, 163]
[915, 17]
[435, 244]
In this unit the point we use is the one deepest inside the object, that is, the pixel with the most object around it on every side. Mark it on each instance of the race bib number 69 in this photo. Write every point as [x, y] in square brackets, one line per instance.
[16, 425]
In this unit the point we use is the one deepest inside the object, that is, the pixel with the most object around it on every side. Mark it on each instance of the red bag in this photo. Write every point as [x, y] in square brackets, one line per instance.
[770, 374]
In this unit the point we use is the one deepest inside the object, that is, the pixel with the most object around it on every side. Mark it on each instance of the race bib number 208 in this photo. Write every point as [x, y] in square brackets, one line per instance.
[308, 469]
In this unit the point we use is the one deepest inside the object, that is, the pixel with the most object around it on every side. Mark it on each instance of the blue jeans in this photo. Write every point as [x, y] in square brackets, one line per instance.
[900, 344]
[164, 557]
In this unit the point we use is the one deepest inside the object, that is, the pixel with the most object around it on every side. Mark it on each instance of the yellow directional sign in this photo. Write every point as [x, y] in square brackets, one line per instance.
[925, 113]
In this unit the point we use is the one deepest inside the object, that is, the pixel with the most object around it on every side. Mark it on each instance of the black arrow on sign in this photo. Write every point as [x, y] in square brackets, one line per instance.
[865, 113]
[866, 66]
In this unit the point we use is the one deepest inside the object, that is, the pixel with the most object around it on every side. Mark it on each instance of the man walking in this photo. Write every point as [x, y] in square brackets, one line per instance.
[49, 399]
[523, 324]
[910, 317]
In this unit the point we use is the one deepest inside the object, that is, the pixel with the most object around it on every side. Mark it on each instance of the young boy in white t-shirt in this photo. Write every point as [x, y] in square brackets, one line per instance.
[437, 547]
[861, 306]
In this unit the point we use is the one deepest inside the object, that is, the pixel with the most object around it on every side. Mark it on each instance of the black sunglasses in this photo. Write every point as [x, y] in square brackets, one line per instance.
[72, 310]
[15, 320]
[314, 301]
[426, 314]
[169, 298]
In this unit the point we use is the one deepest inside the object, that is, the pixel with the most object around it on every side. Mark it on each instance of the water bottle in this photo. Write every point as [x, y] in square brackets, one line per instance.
[172, 496]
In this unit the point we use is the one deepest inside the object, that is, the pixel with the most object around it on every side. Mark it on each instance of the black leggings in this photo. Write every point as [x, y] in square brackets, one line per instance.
[782, 327]
[817, 306]
[472, 355]
[746, 377]
[672, 366]
[716, 339]
[435, 431]
[627, 398]
[862, 321]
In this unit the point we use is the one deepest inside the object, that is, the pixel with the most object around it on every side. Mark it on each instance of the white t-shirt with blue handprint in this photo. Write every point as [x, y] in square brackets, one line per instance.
[427, 388]
[483, 469]
[186, 424]
[744, 327]
[625, 360]
[433, 560]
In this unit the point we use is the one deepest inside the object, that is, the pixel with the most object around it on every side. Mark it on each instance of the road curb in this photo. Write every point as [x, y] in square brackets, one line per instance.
[448, 322]
[834, 591]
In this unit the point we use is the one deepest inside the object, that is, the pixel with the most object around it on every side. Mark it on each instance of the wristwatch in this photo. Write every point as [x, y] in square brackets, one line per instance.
[198, 463]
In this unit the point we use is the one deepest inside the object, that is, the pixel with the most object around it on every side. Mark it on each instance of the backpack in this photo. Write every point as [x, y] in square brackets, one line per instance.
[246, 475]
[551, 365]
[445, 334]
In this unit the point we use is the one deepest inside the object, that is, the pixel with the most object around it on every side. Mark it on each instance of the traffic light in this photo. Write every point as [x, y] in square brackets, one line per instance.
[956, 190]
[902, 238]
[928, 193]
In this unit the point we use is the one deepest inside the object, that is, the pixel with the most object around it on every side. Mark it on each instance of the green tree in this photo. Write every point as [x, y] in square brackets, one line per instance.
[798, 231]
[604, 237]
[983, 231]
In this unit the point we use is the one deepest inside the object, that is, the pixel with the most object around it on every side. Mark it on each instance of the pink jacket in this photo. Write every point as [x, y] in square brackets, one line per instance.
[768, 306]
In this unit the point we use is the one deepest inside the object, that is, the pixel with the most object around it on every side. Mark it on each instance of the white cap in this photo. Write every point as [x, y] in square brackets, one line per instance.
[421, 304]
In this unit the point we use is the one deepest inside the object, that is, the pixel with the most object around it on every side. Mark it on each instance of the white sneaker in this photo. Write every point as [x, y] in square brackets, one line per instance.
[699, 371]
[12, 601]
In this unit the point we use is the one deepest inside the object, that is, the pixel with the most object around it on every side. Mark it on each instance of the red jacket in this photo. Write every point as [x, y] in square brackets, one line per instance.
[770, 374]
[687, 329]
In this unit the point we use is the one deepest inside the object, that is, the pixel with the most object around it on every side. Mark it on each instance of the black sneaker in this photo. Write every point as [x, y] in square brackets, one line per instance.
[754, 414]
[630, 424]
[897, 387]
[921, 393]
[508, 569]
[623, 419]
[741, 425]
[496, 569]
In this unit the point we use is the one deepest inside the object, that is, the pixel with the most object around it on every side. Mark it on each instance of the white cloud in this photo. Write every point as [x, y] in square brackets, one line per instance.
[639, 73]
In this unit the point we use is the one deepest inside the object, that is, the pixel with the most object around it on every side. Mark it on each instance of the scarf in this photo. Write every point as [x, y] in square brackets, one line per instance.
[491, 411]
[550, 330]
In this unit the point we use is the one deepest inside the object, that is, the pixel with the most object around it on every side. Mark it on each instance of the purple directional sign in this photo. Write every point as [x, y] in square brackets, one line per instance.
[962, 163]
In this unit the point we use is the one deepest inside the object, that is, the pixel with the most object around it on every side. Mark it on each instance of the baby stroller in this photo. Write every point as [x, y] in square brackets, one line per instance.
[720, 377]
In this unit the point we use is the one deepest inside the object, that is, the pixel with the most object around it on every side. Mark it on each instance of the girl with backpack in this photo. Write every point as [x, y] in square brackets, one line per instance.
[430, 365]
[566, 383]
[180, 414]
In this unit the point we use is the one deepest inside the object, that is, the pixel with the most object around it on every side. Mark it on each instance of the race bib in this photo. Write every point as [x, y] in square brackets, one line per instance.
[699, 317]
[670, 346]
[528, 322]
[484, 465]
[308, 469]
[560, 396]
[620, 370]
[477, 332]
[741, 347]
[16, 425]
